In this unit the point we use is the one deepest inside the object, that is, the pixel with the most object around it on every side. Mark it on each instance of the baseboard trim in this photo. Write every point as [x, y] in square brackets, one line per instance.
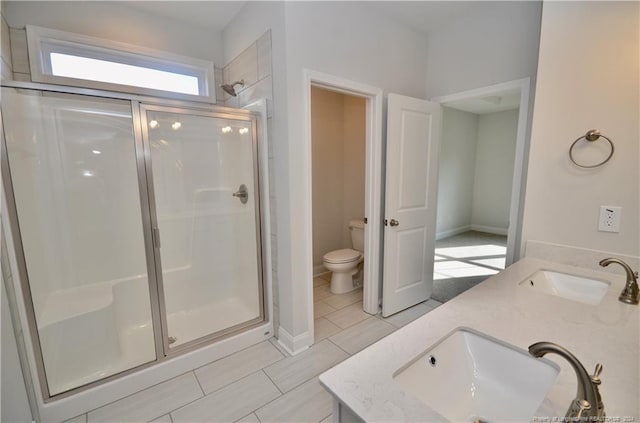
[452, 232]
[293, 344]
[319, 270]
[490, 229]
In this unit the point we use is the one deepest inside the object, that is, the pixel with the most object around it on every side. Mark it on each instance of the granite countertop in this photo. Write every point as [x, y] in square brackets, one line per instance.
[608, 333]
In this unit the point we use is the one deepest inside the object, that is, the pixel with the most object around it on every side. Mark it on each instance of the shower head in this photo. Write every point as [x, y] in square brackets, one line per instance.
[229, 88]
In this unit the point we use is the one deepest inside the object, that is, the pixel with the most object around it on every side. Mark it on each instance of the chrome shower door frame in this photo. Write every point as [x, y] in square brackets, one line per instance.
[234, 114]
[139, 106]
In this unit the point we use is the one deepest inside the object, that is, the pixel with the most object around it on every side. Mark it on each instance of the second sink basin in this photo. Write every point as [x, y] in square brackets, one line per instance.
[468, 376]
[571, 287]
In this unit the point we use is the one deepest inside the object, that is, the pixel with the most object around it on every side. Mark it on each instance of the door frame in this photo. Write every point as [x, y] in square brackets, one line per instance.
[514, 232]
[373, 183]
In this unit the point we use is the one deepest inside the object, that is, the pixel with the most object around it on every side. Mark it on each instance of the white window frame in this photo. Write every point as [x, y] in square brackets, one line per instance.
[44, 41]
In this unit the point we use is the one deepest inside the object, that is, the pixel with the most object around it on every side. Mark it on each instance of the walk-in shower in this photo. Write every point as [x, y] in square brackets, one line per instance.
[130, 243]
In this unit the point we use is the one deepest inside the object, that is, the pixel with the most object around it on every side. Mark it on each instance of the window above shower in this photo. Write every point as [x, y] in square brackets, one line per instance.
[64, 58]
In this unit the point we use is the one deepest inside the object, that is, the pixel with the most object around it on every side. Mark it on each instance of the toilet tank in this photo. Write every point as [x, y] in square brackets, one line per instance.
[356, 226]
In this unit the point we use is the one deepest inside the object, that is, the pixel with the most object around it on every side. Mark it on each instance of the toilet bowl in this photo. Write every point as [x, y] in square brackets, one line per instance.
[343, 263]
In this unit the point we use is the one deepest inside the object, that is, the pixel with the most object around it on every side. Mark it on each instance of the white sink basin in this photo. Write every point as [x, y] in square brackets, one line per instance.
[571, 287]
[468, 376]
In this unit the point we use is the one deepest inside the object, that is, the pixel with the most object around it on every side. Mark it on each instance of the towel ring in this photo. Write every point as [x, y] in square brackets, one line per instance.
[591, 136]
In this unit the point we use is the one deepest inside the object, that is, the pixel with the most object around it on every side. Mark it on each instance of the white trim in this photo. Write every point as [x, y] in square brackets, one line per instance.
[490, 229]
[43, 41]
[373, 183]
[519, 171]
[452, 232]
[294, 345]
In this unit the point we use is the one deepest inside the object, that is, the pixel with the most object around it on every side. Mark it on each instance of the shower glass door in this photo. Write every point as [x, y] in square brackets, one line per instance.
[74, 178]
[204, 187]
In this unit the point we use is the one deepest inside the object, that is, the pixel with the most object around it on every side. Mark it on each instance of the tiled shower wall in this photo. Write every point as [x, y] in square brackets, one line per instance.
[19, 54]
[253, 66]
[6, 69]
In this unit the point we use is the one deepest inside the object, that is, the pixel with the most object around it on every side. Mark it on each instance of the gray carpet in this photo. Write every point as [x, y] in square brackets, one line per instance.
[446, 289]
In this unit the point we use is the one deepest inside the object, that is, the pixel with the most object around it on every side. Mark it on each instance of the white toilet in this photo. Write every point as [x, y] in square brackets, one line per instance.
[343, 264]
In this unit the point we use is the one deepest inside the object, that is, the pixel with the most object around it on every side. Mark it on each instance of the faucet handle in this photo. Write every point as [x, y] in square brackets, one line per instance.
[595, 380]
[595, 377]
[578, 408]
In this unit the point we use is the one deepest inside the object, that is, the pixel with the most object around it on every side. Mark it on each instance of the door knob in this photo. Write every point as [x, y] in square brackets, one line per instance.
[242, 194]
[393, 222]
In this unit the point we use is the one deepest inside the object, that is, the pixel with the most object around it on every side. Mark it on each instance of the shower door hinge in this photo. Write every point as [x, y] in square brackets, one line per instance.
[155, 235]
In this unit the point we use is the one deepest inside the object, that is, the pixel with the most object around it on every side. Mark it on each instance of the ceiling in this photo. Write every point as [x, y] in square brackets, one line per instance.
[496, 102]
[428, 15]
[215, 15]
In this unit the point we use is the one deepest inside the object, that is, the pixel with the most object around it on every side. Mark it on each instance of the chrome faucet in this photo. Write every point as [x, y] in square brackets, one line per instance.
[588, 404]
[629, 294]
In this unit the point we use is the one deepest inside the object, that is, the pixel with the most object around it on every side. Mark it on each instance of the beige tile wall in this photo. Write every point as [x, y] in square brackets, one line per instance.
[253, 66]
[19, 54]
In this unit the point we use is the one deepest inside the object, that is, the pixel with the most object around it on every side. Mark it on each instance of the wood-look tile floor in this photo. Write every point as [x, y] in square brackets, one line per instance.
[262, 383]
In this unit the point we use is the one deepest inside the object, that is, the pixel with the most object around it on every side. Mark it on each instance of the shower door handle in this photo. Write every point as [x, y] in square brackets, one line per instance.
[242, 194]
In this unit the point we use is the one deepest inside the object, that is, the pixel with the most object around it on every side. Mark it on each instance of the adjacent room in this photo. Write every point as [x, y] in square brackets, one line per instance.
[476, 176]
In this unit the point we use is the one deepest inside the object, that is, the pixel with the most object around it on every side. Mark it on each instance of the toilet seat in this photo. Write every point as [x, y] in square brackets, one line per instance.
[345, 255]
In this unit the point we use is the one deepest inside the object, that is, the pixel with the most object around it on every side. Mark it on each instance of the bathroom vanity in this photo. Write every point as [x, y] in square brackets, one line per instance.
[517, 307]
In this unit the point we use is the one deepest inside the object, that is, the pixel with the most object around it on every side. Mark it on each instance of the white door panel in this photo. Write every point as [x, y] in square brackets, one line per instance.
[413, 136]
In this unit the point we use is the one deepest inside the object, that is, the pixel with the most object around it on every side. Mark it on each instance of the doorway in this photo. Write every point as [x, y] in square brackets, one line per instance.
[480, 175]
[372, 98]
[338, 139]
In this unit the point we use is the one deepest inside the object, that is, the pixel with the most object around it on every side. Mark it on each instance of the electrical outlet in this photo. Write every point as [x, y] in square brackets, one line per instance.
[609, 220]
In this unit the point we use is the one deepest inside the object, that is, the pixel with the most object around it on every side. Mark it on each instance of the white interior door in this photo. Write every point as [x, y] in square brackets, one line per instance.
[413, 137]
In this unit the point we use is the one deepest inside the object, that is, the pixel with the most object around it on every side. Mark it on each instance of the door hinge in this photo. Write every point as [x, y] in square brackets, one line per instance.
[365, 220]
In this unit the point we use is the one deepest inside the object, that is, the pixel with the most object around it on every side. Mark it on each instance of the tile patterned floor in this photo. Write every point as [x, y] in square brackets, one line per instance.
[263, 383]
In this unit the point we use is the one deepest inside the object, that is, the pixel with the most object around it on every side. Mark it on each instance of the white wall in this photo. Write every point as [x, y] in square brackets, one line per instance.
[573, 96]
[456, 170]
[248, 25]
[475, 172]
[493, 179]
[338, 155]
[114, 21]
[497, 44]
[345, 40]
